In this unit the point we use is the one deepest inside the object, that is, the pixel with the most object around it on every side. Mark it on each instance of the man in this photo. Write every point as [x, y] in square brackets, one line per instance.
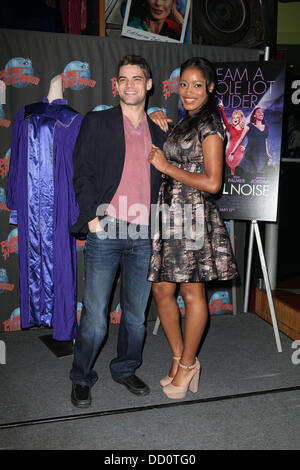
[111, 170]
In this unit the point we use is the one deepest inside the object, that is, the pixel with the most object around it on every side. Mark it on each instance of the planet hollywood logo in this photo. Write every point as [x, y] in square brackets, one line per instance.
[115, 315]
[4, 164]
[4, 284]
[13, 323]
[156, 108]
[19, 73]
[10, 245]
[80, 244]
[102, 107]
[219, 303]
[181, 305]
[3, 122]
[78, 312]
[3, 206]
[77, 76]
[114, 87]
[171, 85]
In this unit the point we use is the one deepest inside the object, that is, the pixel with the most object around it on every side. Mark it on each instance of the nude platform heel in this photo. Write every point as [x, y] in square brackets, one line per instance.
[192, 383]
[166, 380]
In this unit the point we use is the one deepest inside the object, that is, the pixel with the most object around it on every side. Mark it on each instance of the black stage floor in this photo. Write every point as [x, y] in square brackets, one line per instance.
[249, 394]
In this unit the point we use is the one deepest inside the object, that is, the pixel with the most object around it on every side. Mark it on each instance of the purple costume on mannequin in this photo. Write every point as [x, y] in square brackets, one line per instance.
[41, 198]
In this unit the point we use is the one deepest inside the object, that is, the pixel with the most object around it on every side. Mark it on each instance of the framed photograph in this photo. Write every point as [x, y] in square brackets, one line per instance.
[156, 20]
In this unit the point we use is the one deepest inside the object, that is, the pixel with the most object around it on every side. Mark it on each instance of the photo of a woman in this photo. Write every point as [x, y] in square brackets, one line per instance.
[159, 17]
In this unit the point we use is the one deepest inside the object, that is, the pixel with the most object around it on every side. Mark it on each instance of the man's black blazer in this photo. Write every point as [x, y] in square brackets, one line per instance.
[98, 160]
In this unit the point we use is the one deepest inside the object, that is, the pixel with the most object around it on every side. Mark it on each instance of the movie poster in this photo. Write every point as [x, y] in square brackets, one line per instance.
[250, 98]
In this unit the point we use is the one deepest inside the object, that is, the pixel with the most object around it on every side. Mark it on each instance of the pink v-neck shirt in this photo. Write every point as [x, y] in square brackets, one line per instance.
[131, 201]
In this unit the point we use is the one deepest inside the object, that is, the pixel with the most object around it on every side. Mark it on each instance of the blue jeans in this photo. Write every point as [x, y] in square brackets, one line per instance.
[102, 259]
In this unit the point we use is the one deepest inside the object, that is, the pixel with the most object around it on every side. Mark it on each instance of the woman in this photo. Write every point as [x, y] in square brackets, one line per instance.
[235, 129]
[192, 168]
[157, 17]
[256, 157]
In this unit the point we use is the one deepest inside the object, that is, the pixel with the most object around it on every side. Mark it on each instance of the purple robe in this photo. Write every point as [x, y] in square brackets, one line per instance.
[42, 201]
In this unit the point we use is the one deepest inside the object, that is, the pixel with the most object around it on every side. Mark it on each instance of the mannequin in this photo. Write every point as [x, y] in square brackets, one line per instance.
[41, 197]
[55, 89]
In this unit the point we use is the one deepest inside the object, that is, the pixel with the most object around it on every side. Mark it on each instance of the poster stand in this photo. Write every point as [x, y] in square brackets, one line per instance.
[233, 288]
[254, 229]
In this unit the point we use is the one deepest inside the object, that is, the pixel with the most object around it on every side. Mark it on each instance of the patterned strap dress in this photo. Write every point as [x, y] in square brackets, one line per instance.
[190, 240]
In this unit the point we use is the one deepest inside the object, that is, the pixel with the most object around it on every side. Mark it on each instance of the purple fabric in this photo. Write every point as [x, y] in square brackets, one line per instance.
[41, 198]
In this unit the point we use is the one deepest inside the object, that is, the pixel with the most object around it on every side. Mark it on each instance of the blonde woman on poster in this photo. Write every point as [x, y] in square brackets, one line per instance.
[235, 129]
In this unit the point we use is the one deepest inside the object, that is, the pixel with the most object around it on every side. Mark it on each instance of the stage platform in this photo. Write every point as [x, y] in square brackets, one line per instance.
[248, 396]
[286, 299]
